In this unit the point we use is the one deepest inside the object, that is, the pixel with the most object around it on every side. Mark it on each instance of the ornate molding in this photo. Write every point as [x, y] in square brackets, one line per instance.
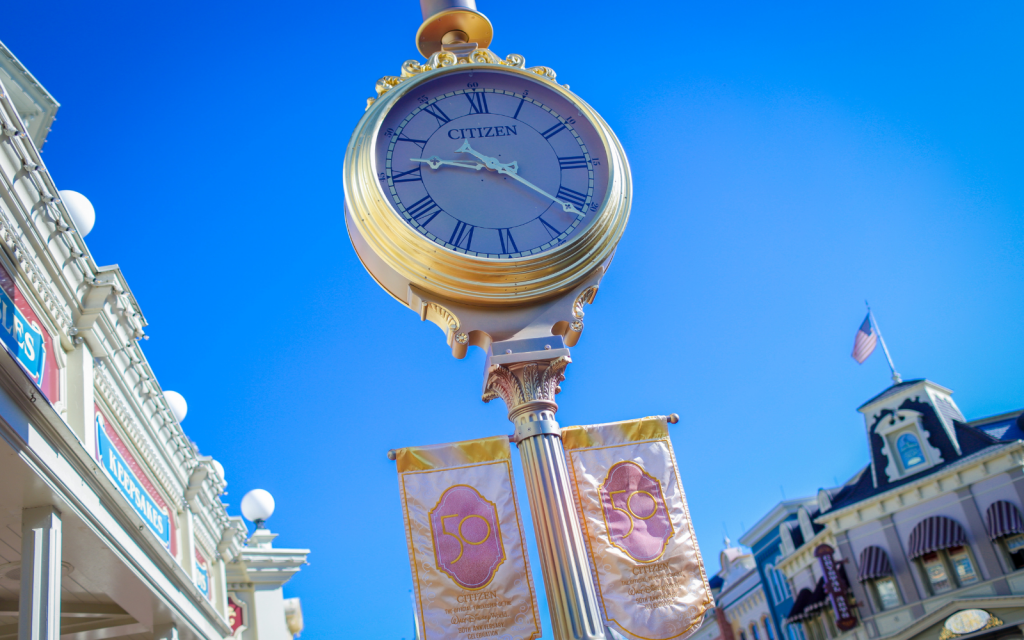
[54, 304]
[135, 432]
[586, 297]
[523, 383]
[442, 59]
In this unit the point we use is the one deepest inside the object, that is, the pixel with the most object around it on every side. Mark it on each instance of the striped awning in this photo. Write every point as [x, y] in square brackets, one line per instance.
[934, 533]
[1003, 518]
[807, 603]
[874, 563]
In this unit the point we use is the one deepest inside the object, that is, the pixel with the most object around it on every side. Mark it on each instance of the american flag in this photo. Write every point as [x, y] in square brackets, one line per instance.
[864, 343]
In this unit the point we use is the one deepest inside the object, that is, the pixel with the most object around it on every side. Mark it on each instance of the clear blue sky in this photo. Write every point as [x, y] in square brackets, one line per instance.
[789, 161]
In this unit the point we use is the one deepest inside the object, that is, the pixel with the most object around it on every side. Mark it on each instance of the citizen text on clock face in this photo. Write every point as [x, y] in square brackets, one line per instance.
[491, 164]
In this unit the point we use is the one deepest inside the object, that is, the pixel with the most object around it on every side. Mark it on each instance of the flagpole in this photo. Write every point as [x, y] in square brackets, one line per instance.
[896, 379]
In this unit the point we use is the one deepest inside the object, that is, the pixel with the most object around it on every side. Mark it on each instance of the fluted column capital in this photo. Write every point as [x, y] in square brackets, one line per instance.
[528, 387]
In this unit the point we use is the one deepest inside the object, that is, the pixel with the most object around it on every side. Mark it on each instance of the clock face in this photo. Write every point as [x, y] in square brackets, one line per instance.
[491, 164]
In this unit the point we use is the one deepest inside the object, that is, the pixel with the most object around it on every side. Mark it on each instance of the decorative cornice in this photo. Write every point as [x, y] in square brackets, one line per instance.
[143, 444]
[55, 305]
[521, 384]
[442, 59]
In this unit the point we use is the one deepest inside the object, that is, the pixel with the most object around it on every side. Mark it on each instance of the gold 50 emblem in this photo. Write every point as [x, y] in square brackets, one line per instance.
[467, 537]
[635, 515]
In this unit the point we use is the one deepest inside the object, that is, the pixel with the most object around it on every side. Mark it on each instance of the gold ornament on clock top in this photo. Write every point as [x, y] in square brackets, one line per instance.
[471, 279]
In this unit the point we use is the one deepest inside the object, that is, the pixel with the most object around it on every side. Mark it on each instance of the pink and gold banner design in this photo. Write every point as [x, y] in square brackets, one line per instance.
[466, 545]
[646, 563]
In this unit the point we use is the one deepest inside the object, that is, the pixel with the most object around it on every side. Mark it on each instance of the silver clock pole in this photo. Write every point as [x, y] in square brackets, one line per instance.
[526, 376]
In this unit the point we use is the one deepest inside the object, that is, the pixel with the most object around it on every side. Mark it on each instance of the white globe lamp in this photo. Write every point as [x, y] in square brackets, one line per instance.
[176, 403]
[82, 212]
[258, 506]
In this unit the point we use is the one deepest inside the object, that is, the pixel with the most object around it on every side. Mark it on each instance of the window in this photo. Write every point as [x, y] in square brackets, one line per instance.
[935, 569]
[909, 450]
[965, 573]
[754, 635]
[777, 584]
[768, 631]
[887, 596]
[743, 636]
[1014, 546]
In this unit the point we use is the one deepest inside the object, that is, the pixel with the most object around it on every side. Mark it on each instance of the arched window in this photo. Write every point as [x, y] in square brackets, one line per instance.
[754, 635]
[909, 450]
[743, 636]
[768, 631]
[773, 585]
[777, 584]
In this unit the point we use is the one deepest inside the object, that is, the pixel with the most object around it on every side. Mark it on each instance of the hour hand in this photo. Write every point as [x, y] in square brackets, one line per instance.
[489, 162]
[434, 162]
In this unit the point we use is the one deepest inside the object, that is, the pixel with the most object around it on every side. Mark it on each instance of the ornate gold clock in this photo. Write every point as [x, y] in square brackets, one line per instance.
[476, 186]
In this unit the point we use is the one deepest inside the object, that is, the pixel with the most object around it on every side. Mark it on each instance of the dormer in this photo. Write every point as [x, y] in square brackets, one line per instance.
[910, 429]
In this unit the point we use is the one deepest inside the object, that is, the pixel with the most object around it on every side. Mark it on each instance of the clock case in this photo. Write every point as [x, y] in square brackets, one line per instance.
[476, 300]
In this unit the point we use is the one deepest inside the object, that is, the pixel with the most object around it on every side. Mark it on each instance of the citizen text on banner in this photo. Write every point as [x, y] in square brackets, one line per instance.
[643, 551]
[466, 545]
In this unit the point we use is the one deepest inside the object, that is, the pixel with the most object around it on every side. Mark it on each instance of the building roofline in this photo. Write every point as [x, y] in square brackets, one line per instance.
[998, 448]
[980, 422]
[772, 519]
[902, 386]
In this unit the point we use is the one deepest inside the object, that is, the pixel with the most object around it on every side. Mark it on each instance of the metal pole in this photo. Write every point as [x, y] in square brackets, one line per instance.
[431, 7]
[896, 379]
[528, 383]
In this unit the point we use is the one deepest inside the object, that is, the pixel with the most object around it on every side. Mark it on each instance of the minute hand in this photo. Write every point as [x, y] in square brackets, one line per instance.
[511, 169]
[567, 207]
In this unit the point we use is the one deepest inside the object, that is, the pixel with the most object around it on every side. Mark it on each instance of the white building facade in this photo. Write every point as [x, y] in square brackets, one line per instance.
[111, 523]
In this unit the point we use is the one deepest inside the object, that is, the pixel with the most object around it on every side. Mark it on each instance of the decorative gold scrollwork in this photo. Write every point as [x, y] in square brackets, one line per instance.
[586, 297]
[441, 59]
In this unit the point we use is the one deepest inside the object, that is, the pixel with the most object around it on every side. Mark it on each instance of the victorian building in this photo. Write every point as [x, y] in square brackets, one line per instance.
[927, 540]
[741, 608]
[111, 522]
[765, 542]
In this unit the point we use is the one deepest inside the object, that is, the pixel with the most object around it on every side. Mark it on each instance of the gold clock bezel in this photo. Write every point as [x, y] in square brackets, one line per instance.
[477, 280]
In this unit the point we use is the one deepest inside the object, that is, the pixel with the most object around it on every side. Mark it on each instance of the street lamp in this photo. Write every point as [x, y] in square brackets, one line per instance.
[257, 507]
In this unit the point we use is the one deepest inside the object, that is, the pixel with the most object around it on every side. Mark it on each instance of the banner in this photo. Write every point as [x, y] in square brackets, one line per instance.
[648, 569]
[471, 576]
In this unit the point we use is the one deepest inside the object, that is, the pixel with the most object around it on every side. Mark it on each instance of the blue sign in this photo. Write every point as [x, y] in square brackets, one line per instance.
[23, 339]
[117, 468]
[203, 579]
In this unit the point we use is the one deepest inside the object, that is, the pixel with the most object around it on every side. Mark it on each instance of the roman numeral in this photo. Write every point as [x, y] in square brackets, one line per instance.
[553, 232]
[477, 102]
[516, 114]
[553, 130]
[419, 143]
[574, 198]
[461, 234]
[423, 208]
[507, 242]
[435, 111]
[413, 176]
[572, 162]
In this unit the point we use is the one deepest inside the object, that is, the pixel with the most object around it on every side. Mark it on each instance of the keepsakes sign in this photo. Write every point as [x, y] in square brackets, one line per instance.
[466, 545]
[644, 554]
[25, 339]
[120, 465]
[835, 587]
